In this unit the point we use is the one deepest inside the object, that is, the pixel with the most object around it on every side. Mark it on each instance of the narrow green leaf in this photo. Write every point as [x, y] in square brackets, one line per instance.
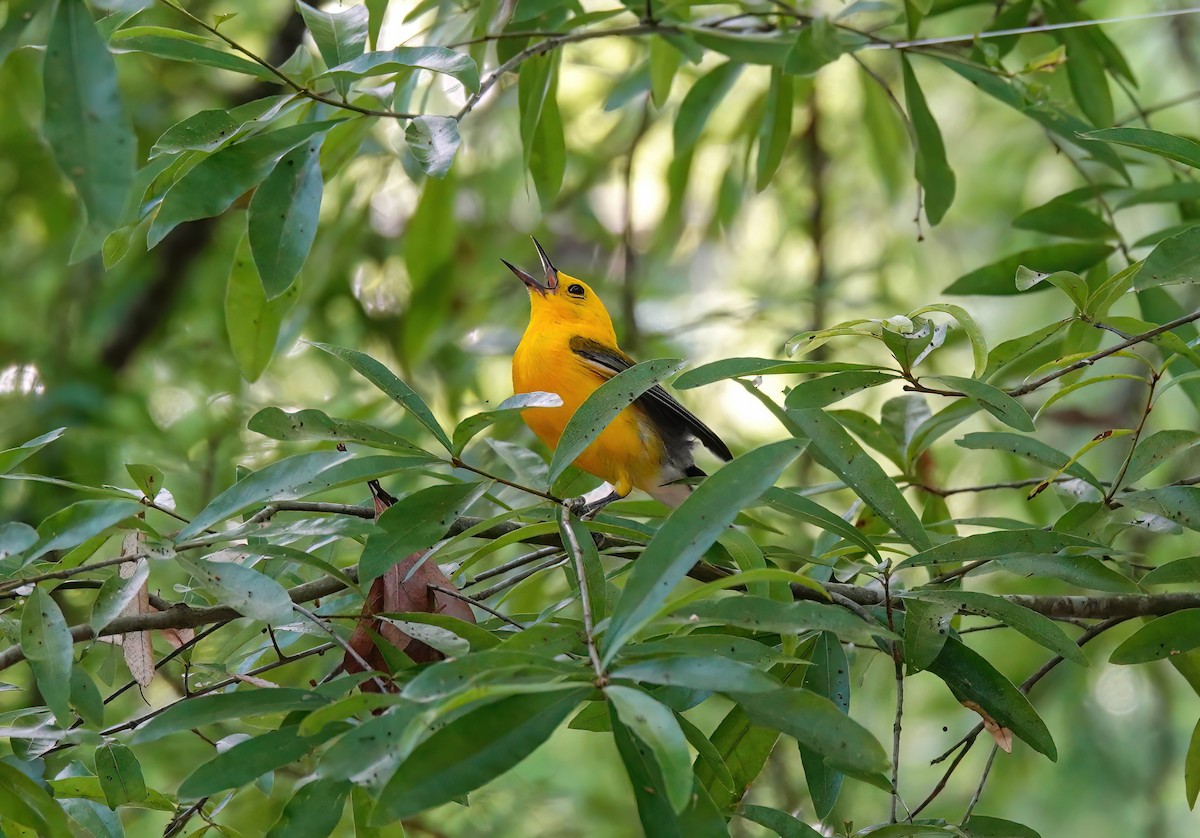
[746, 48]
[315, 424]
[277, 481]
[209, 130]
[177, 45]
[547, 150]
[982, 826]
[386, 380]
[1064, 218]
[86, 698]
[992, 399]
[213, 184]
[86, 123]
[664, 62]
[818, 724]
[837, 451]
[471, 750]
[1085, 68]
[781, 823]
[415, 522]
[655, 725]
[1030, 448]
[1180, 504]
[996, 279]
[13, 457]
[116, 593]
[1083, 571]
[828, 389]
[120, 775]
[1174, 260]
[46, 641]
[25, 803]
[1191, 768]
[147, 478]
[250, 759]
[433, 141]
[313, 811]
[75, 524]
[437, 59]
[209, 709]
[1039, 629]
[995, 545]
[809, 510]
[716, 674]
[243, 589]
[703, 97]
[1162, 637]
[743, 367]
[369, 752]
[15, 538]
[472, 425]
[341, 37]
[974, 334]
[818, 44]
[1168, 193]
[932, 170]
[594, 579]
[603, 406]
[688, 532]
[252, 321]
[971, 678]
[1171, 146]
[768, 615]
[283, 216]
[926, 626]
[829, 677]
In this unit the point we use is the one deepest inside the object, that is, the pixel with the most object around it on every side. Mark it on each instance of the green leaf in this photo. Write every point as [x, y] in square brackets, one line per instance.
[819, 725]
[1173, 260]
[283, 216]
[86, 124]
[547, 149]
[1171, 146]
[176, 45]
[594, 579]
[768, 615]
[603, 406]
[369, 752]
[1168, 193]
[742, 367]
[433, 141]
[243, 589]
[315, 424]
[829, 677]
[437, 59]
[996, 279]
[209, 130]
[828, 389]
[115, 594]
[471, 750]
[818, 44]
[15, 538]
[277, 481]
[251, 320]
[1180, 504]
[24, 802]
[386, 380]
[967, 323]
[86, 698]
[147, 478]
[992, 399]
[340, 37]
[120, 775]
[971, 678]
[664, 62]
[1177, 572]
[1082, 570]
[1154, 450]
[926, 626]
[1064, 218]
[313, 811]
[1191, 768]
[746, 48]
[781, 823]
[932, 170]
[250, 759]
[415, 522]
[775, 130]
[699, 103]
[982, 826]
[1029, 447]
[1039, 629]
[210, 709]
[13, 457]
[213, 184]
[1085, 68]
[655, 725]
[688, 532]
[834, 448]
[78, 522]
[46, 641]
[743, 747]
[1160, 638]
[995, 545]
[716, 674]
[472, 425]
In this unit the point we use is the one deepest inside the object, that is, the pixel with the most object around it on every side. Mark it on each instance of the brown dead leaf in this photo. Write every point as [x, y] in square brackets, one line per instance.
[136, 646]
[1001, 734]
[401, 589]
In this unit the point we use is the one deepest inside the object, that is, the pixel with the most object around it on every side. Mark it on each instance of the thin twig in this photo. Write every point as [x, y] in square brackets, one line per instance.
[481, 606]
[1137, 434]
[341, 641]
[987, 769]
[585, 599]
[74, 571]
[504, 584]
[519, 561]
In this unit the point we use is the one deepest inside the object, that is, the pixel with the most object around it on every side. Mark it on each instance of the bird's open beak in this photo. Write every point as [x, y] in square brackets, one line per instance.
[548, 268]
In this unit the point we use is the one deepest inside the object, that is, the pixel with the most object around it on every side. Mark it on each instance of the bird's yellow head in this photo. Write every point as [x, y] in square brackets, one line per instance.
[564, 301]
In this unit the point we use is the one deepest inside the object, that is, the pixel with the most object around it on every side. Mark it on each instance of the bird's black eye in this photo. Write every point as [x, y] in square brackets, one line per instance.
[575, 289]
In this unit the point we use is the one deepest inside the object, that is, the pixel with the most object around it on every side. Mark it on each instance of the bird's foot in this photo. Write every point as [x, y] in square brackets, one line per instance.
[585, 507]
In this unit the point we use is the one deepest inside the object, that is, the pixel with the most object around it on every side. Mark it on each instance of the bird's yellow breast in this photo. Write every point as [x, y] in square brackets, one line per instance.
[627, 453]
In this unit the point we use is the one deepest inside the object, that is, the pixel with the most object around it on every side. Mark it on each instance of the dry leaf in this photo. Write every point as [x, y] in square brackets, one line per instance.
[1001, 734]
[139, 653]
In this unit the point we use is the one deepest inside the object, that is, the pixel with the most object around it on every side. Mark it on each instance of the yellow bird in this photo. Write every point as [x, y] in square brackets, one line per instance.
[570, 348]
